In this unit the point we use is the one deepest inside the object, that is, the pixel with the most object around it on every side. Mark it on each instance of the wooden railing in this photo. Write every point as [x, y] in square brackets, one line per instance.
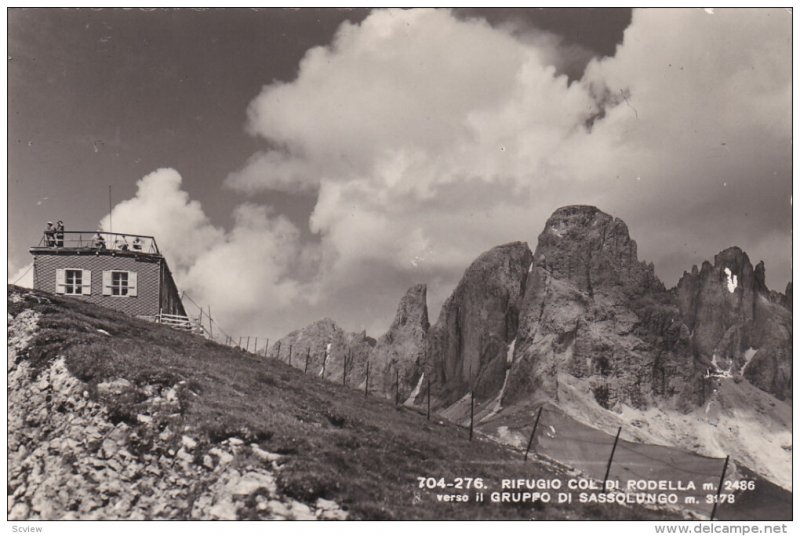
[180, 322]
[99, 240]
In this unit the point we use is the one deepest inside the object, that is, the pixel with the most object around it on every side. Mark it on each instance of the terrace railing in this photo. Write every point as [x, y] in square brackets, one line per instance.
[92, 240]
[180, 322]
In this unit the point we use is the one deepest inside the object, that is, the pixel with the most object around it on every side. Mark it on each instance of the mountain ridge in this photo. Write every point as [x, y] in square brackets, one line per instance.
[583, 310]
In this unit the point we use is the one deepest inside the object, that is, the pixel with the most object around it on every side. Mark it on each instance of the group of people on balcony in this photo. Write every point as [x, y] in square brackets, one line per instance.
[54, 238]
[120, 242]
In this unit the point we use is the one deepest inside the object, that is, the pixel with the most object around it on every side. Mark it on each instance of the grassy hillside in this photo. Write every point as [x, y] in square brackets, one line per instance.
[365, 454]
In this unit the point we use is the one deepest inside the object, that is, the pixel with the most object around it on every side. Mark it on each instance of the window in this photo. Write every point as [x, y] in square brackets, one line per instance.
[74, 282]
[119, 283]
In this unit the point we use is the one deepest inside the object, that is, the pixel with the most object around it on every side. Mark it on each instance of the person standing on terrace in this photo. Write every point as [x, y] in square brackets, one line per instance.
[49, 235]
[99, 241]
[60, 234]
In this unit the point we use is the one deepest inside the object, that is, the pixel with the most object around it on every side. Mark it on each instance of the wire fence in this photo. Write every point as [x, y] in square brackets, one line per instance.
[211, 329]
[634, 467]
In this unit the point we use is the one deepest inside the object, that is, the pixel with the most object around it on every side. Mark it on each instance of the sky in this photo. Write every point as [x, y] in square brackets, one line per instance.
[297, 164]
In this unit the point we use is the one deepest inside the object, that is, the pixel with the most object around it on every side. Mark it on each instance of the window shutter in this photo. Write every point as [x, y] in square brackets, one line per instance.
[132, 284]
[60, 280]
[106, 283]
[86, 282]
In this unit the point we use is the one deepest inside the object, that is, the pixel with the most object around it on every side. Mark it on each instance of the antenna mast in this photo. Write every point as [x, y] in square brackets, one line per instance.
[110, 221]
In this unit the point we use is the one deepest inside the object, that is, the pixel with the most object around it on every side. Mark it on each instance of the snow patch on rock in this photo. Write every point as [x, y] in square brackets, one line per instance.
[730, 280]
[510, 352]
[748, 355]
[410, 400]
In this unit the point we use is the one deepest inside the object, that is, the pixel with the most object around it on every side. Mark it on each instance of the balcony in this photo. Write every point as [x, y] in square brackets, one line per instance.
[79, 241]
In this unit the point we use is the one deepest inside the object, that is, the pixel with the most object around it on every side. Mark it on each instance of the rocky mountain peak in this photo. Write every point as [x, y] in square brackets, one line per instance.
[738, 325]
[399, 355]
[718, 297]
[469, 343]
[413, 310]
[787, 296]
[324, 349]
[736, 261]
[594, 312]
[592, 249]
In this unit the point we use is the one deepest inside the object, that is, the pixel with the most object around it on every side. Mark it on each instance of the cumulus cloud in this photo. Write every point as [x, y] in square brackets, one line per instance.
[251, 271]
[422, 136]
[704, 132]
[22, 277]
[162, 209]
[427, 139]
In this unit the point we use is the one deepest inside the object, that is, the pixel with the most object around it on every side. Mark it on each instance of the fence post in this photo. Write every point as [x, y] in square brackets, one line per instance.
[533, 432]
[308, 354]
[702, 390]
[210, 324]
[471, 412]
[324, 362]
[719, 488]
[247, 348]
[266, 347]
[611, 458]
[240, 342]
[366, 382]
[255, 347]
[428, 416]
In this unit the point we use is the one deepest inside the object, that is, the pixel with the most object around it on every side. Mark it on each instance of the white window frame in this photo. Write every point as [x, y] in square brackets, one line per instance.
[83, 287]
[76, 284]
[130, 288]
[120, 288]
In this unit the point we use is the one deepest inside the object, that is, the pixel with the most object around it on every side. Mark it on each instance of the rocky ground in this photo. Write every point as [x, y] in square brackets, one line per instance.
[68, 459]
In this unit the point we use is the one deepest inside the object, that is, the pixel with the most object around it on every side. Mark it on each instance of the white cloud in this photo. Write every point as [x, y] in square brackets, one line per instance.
[429, 139]
[251, 271]
[162, 209]
[22, 277]
[425, 138]
[707, 127]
